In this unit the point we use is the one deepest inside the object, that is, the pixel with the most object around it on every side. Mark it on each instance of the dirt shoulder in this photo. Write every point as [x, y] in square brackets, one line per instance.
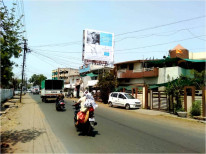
[25, 130]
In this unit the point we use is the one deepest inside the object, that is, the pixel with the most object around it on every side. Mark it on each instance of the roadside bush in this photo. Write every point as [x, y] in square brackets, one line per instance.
[196, 108]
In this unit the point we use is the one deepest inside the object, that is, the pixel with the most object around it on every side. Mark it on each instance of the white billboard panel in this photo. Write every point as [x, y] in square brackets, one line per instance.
[98, 47]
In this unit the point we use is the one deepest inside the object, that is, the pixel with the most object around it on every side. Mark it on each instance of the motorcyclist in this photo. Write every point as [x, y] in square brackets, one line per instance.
[81, 101]
[59, 97]
[87, 105]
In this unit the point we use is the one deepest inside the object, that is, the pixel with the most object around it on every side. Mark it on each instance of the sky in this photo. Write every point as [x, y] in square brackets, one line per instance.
[142, 30]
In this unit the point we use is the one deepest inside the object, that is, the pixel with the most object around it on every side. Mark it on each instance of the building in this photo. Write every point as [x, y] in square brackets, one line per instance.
[64, 74]
[90, 73]
[139, 76]
[160, 71]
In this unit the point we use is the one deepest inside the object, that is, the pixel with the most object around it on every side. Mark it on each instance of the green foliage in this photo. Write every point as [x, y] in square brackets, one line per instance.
[37, 79]
[196, 108]
[11, 39]
[16, 83]
[199, 79]
[107, 84]
[175, 87]
[179, 109]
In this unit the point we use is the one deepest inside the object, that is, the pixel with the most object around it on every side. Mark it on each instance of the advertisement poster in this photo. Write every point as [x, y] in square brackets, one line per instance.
[98, 47]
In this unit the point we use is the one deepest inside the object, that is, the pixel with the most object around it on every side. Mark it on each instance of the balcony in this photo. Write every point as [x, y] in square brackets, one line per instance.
[146, 72]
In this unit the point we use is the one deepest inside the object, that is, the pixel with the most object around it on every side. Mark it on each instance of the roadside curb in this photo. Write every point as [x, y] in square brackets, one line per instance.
[188, 119]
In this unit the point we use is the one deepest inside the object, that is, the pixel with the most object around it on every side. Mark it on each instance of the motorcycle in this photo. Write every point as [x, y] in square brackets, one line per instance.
[82, 126]
[60, 106]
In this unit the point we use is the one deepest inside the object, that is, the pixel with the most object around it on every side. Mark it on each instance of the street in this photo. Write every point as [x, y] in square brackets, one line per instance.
[122, 131]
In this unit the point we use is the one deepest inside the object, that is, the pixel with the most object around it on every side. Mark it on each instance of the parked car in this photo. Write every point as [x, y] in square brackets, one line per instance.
[28, 91]
[17, 92]
[123, 99]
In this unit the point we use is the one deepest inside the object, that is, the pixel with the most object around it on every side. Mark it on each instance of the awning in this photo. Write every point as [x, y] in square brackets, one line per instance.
[196, 60]
[91, 75]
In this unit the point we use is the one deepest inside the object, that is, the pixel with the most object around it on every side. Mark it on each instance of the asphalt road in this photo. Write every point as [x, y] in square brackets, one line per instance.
[120, 132]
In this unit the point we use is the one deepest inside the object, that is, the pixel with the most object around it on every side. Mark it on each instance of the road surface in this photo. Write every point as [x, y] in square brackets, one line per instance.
[122, 131]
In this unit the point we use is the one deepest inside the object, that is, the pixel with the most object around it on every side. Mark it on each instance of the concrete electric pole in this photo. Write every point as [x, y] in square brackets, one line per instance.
[24, 58]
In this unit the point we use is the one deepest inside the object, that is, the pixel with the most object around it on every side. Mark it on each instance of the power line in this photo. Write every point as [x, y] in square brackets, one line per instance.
[42, 59]
[163, 25]
[56, 60]
[160, 44]
[157, 34]
[60, 44]
[132, 48]
[71, 57]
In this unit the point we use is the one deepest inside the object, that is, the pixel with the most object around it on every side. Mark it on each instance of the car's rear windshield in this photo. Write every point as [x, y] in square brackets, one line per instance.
[129, 96]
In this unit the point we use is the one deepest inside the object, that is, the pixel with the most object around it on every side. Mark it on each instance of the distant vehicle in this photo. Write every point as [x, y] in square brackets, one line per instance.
[50, 89]
[60, 106]
[28, 91]
[17, 92]
[123, 99]
[35, 90]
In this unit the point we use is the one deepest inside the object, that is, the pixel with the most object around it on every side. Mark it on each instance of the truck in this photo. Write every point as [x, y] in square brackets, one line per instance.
[35, 90]
[50, 89]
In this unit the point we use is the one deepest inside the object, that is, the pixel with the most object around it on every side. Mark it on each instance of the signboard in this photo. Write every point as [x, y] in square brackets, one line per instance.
[98, 47]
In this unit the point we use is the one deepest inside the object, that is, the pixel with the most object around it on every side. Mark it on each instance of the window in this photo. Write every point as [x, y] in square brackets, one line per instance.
[123, 66]
[131, 66]
[114, 95]
[121, 96]
[129, 96]
[127, 80]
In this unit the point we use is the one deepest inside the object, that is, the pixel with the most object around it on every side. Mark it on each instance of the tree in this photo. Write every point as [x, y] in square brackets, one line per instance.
[11, 39]
[107, 83]
[16, 83]
[37, 79]
[175, 87]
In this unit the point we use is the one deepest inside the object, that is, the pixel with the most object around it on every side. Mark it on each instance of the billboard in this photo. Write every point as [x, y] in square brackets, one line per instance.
[98, 47]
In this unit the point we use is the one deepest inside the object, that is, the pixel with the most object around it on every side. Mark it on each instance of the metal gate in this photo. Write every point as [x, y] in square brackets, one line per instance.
[159, 100]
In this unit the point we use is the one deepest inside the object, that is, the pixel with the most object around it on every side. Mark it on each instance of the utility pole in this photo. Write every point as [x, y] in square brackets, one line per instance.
[24, 58]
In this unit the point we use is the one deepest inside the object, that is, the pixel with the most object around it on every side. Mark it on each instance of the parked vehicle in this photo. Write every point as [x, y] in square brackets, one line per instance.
[60, 106]
[28, 91]
[50, 89]
[84, 127]
[124, 100]
[17, 92]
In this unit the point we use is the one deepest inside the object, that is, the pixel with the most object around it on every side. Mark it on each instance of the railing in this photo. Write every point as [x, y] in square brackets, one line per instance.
[151, 72]
[6, 94]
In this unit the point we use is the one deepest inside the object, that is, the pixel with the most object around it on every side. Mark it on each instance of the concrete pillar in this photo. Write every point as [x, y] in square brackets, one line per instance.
[151, 105]
[143, 97]
[189, 103]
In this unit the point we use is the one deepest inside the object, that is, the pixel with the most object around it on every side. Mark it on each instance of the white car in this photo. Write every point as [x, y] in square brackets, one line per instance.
[124, 100]
[17, 92]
